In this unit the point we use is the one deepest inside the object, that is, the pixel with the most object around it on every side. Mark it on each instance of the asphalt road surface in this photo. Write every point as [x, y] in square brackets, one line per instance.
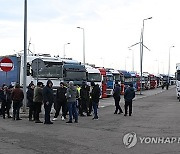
[154, 128]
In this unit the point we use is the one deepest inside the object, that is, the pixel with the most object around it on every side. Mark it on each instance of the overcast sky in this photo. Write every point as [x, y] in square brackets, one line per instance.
[111, 26]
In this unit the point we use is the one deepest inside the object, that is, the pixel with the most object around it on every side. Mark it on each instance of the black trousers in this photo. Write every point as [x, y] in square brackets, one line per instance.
[128, 104]
[47, 112]
[5, 107]
[32, 111]
[37, 110]
[16, 107]
[58, 108]
[90, 106]
[117, 100]
[85, 106]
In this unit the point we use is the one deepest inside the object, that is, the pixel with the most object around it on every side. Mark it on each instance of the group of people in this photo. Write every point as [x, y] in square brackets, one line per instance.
[7, 96]
[165, 84]
[74, 100]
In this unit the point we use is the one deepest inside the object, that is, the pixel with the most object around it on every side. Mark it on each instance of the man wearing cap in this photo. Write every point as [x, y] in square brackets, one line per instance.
[48, 99]
[71, 95]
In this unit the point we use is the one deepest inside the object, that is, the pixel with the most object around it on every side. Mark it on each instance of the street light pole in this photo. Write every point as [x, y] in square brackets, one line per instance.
[162, 64]
[158, 65]
[25, 54]
[132, 59]
[169, 62]
[125, 61]
[65, 49]
[141, 50]
[83, 44]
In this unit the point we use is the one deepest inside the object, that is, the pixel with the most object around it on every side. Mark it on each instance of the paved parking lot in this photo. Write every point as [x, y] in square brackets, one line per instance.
[154, 116]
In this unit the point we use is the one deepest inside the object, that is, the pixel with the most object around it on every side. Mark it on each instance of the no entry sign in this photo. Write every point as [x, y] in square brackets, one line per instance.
[6, 64]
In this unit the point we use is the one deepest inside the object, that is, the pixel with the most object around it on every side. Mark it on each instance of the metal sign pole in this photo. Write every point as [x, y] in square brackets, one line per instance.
[25, 55]
[37, 70]
[6, 79]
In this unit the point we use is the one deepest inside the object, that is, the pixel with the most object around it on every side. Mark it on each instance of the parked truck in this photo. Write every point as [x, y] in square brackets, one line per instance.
[110, 83]
[47, 68]
[177, 74]
[41, 67]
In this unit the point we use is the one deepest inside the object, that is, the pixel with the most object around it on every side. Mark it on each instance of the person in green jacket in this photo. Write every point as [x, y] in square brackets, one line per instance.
[38, 98]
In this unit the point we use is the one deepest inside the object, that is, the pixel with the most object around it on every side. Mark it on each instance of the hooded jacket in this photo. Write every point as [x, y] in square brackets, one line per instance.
[129, 94]
[30, 95]
[117, 91]
[48, 95]
[72, 93]
[95, 94]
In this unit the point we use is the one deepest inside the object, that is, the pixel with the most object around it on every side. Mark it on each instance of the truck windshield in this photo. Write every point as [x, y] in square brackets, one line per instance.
[51, 70]
[78, 76]
[128, 79]
[143, 79]
[96, 77]
[178, 75]
[165, 78]
[137, 78]
[110, 78]
[117, 77]
[134, 79]
[122, 79]
[146, 78]
[153, 78]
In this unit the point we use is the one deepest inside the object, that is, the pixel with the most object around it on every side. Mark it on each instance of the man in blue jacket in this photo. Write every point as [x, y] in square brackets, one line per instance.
[128, 97]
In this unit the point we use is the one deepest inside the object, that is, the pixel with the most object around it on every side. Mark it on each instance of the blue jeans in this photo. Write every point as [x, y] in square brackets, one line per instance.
[95, 107]
[72, 111]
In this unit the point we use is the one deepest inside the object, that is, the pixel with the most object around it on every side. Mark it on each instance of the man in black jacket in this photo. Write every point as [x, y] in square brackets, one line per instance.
[30, 104]
[61, 101]
[116, 95]
[48, 99]
[84, 95]
[95, 94]
[128, 97]
[5, 96]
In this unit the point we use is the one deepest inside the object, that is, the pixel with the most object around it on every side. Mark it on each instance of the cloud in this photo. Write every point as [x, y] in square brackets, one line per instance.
[111, 26]
[11, 10]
